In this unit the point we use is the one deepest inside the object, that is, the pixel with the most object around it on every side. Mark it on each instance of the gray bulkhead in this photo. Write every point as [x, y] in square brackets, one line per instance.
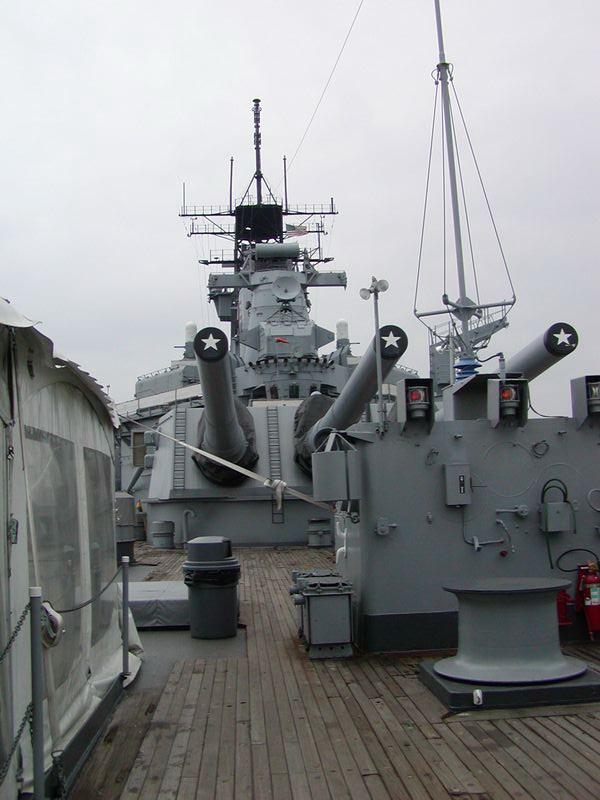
[246, 514]
[431, 535]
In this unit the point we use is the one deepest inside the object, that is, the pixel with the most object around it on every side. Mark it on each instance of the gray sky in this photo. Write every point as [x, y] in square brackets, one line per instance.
[109, 106]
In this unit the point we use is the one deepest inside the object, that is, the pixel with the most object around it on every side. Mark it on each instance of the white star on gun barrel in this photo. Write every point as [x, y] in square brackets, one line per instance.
[390, 340]
[211, 342]
[562, 337]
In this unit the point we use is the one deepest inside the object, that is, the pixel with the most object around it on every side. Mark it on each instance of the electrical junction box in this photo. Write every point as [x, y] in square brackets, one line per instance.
[325, 601]
[458, 484]
[299, 581]
[557, 518]
[336, 475]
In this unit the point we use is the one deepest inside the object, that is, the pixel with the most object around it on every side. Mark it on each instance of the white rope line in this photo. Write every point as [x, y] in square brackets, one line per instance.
[278, 486]
[310, 122]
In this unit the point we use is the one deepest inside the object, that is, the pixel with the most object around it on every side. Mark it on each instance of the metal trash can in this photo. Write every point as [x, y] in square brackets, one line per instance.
[212, 575]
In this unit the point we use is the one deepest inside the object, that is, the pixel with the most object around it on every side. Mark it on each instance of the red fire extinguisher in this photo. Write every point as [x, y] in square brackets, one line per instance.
[582, 571]
[591, 598]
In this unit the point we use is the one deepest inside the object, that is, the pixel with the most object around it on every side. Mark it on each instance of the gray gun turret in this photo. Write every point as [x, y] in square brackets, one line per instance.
[319, 414]
[226, 428]
[252, 382]
[543, 352]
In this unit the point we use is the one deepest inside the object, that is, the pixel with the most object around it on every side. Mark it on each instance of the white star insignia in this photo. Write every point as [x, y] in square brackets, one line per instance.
[211, 342]
[562, 337]
[390, 340]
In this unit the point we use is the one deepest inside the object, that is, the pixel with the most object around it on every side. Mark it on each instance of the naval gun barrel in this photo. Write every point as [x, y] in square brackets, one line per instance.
[226, 429]
[558, 341]
[348, 407]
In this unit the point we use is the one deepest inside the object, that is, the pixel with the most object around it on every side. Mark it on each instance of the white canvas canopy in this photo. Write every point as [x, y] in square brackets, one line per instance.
[57, 479]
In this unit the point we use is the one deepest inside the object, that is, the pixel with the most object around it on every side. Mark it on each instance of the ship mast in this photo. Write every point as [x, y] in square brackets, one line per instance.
[454, 350]
[460, 310]
[257, 139]
[253, 223]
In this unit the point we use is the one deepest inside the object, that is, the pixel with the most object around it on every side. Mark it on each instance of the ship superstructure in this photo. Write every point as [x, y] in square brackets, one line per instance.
[262, 388]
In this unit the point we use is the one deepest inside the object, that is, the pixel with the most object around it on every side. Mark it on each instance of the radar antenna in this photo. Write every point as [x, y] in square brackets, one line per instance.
[257, 140]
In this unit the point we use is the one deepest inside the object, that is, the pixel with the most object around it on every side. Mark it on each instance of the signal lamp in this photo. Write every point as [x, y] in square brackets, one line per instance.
[417, 401]
[509, 400]
[593, 397]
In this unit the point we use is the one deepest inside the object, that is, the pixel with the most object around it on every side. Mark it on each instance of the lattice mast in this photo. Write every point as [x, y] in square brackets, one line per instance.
[256, 219]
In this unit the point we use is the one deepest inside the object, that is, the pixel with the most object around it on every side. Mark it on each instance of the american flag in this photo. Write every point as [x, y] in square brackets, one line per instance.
[295, 230]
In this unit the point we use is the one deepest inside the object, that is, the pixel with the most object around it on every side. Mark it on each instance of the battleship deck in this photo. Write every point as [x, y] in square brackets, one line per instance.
[272, 724]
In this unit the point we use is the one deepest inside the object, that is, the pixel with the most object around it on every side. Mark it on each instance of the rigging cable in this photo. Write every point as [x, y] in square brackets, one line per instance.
[291, 161]
[487, 202]
[426, 201]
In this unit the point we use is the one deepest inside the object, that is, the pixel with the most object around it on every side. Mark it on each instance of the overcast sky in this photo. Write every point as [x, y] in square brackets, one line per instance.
[108, 107]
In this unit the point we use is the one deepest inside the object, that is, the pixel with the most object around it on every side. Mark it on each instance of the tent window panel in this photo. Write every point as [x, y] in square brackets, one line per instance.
[98, 484]
[52, 478]
[5, 717]
[138, 448]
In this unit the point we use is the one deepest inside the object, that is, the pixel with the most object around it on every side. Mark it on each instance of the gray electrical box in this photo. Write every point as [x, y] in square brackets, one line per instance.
[556, 517]
[324, 601]
[336, 475]
[458, 484]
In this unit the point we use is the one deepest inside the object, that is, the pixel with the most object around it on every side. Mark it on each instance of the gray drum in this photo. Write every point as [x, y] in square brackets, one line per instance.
[163, 534]
[212, 575]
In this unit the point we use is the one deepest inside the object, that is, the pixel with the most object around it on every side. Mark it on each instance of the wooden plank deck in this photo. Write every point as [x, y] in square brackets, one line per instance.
[274, 724]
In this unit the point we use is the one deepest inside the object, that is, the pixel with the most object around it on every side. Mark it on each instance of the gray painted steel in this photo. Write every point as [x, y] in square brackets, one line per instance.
[508, 633]
[462, 696]
[362, 384]
[127, 526]
[558, 341]
[223, 434]
[323, 600]
[212, 575]
[162, 533]
[434, 540]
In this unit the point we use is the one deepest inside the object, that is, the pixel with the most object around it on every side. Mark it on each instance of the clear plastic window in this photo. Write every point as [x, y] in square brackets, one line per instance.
[101, 537]
[51, 471]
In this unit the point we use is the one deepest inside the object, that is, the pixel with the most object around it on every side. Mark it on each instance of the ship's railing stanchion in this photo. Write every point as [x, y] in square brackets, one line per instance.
[125, 623]
[37, 692]
[374, 289]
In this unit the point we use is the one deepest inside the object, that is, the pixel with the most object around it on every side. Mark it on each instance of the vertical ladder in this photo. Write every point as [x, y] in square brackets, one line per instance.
[179, 450]
[275, 473]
